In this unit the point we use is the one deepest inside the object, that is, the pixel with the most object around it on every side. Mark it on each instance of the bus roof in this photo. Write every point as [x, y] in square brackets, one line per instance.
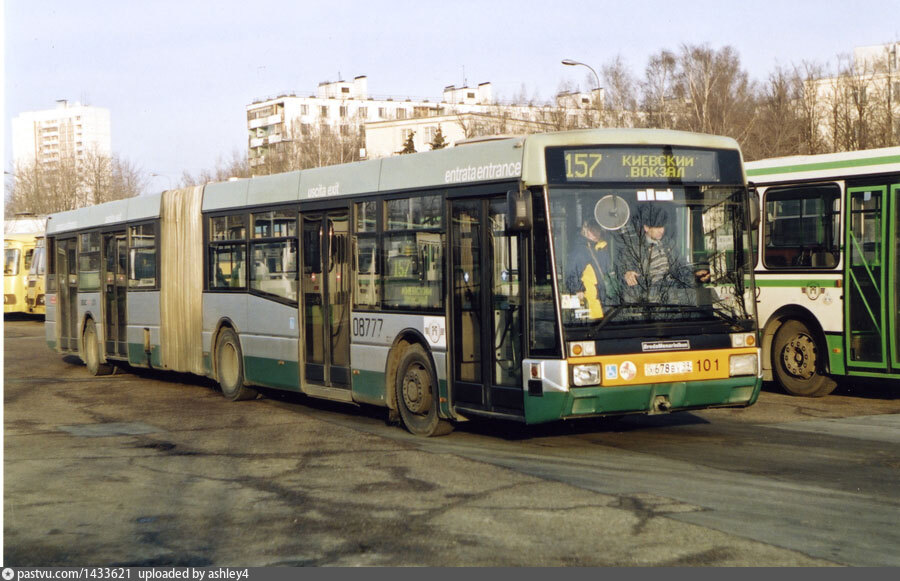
[496, 160]
[115, 212]
[823, 166]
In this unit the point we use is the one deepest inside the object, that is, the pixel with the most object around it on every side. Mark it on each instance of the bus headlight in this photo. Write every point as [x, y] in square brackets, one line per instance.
[743, 339]
[745, 364]
[584, 375]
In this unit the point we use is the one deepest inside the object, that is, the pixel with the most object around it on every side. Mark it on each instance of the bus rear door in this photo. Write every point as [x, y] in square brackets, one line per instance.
[67, 284]
[115, 285]
[871, 278]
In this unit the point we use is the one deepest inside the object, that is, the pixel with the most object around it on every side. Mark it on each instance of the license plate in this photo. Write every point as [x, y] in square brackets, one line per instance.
[670, 368]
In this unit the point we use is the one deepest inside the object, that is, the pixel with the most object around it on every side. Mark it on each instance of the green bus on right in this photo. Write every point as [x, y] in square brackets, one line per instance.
[828, 268]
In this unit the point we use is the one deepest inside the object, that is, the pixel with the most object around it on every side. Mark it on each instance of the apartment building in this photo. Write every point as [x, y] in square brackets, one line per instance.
[71, 130]
[860, 107]
[348, 108]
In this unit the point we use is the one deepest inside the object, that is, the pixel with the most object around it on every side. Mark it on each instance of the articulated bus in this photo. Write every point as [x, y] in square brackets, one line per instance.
[828, 271]
[435, 284]
[18, 250]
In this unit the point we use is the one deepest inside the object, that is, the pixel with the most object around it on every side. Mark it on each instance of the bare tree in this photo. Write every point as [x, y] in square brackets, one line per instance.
[715, 93]
[236, 167]
[658, 91]
[70, 182]
[621, 101]
[779, 130]
[807, 80]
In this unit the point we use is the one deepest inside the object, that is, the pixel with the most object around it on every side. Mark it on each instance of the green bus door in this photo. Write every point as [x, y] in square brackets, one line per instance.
[872, 331]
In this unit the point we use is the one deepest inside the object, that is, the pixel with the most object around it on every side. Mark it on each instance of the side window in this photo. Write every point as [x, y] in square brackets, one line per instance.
[802, 227]
[51, 265]
[227, 251]
[413, 253]
[89, 261]
[367, 292]
[273, 250]
[142, 256]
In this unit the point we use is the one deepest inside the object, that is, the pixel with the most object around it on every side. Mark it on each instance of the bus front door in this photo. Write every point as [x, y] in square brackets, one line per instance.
[870, 280]
[67, 301]
[486, 321]
[115, 247]
[326, 298]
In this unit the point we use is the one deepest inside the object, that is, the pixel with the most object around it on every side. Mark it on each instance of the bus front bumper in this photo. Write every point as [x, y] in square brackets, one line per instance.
[653, 398]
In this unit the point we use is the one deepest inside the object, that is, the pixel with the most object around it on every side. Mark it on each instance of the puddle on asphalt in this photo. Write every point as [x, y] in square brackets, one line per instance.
[110, 429]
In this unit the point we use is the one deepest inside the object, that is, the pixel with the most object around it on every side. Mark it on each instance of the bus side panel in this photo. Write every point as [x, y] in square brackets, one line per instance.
[50, 320]
[89, 304]
[373, 335]
[142, 310]
[269, 342]
[369, 365]
[817, 293]
[216, 308]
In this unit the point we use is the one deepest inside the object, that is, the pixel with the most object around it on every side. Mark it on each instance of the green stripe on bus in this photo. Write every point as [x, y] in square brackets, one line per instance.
[272, 372]
[590, 401]
[824, 165]
[137, 356]
[780, 282]
[368, 387]
[835, 343]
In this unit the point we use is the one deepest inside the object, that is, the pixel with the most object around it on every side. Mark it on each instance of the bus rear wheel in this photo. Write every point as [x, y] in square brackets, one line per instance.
[92, 351]
[416, 394]
[798, 363]
[230, 367]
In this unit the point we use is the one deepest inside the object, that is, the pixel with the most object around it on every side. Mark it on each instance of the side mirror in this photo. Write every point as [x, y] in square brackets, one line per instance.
[753, 199]
[518, 218]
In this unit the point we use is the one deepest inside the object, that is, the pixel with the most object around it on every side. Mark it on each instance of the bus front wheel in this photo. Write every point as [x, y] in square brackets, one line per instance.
[416, 393]
[230, 367]
[92, 351]
[798, 362]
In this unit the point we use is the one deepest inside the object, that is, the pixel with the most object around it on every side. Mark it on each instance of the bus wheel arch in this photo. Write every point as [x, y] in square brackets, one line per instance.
[797, 353]
[228, 363]
[412, 388]
[91, 354]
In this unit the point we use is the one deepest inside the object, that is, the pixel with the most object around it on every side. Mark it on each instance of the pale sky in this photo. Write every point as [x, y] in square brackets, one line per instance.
[177, 75]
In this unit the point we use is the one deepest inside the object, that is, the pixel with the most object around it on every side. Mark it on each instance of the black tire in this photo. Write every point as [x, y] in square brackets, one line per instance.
[798, 362]
[230, 367]
[91, 345]
[416, 394]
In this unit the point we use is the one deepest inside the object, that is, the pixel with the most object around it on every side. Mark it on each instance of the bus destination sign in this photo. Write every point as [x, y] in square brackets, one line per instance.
[642, 164]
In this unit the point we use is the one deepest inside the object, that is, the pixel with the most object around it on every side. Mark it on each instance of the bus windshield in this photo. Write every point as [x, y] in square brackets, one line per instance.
[633, 256]
[11, 261]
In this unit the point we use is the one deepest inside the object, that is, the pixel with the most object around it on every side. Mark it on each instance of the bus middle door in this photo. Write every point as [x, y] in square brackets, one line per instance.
[326, 298]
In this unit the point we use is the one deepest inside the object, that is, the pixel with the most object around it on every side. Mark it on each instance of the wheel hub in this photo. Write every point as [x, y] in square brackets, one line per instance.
[416, 391]
[799, 357]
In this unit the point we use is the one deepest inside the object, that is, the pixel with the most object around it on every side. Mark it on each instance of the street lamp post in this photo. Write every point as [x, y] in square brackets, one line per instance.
[595, 97]
[571, 63]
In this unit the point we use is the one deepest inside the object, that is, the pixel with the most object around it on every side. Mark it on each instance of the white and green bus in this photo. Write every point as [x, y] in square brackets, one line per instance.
[432, 284]
[828, 271]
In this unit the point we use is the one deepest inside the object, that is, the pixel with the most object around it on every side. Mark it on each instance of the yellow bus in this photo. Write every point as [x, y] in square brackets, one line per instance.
[18, 250]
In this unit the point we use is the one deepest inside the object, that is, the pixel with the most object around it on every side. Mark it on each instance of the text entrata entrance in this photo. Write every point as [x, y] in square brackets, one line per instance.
[486, 324]
[326, 298]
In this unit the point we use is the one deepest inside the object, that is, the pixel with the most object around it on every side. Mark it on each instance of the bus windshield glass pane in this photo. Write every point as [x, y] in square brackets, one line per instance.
[11, 261]
[638, 255]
